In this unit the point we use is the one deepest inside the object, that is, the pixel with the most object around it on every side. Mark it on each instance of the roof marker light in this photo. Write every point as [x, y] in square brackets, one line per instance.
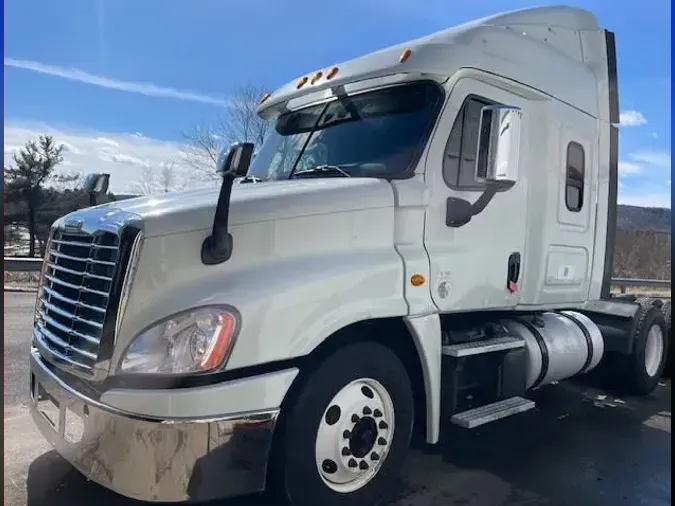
[317, 76]
[301, 82]
[265, 97]
[405, 54]
[331, 73]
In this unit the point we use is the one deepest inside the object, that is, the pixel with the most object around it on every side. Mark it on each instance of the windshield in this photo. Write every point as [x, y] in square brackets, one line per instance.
[374, 134]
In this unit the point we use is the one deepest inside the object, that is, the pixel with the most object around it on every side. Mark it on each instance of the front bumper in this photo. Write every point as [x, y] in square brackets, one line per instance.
[152, 459]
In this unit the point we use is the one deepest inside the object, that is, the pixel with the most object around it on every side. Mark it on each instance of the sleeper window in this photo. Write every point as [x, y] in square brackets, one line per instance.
[574, 177]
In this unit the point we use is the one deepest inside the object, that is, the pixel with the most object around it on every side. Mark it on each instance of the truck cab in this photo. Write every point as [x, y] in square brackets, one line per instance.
[429, 236]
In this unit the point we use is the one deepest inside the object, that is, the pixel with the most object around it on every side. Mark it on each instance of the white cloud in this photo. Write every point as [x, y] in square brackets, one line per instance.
[143, 88]
[124, 155]
[646, 199]
[627, 168]
[657, 158]
[654, 135]
[646, 179]
[632, 118]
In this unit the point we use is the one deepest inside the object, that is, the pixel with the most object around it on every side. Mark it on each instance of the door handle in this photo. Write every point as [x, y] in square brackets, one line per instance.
[513, 272]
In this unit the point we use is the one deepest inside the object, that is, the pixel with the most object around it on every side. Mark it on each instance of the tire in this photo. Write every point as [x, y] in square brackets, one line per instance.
[665, 309]
[668, 369]
[643, 370]
[649, 301]
[312, 430]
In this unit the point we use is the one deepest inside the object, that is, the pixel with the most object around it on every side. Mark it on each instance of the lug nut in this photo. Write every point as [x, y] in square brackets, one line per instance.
[363, 465]
[383, 425]
[355, 418]
[381, 441]
[346, 452]
[374, 456]
[352, 463]
[377, 413]
[367, 411]
[346, 434]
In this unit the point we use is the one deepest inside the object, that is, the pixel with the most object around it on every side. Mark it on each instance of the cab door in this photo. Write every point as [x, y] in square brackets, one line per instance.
[478, 264]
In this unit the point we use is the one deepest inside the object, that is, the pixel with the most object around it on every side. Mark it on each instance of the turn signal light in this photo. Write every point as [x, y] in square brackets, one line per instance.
[417, 280]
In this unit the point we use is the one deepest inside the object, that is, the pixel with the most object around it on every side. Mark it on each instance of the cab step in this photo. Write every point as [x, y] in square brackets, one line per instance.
[486, 346]
[492, 412]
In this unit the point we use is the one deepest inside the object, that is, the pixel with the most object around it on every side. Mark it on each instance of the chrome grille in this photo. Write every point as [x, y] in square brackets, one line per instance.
[75, 296]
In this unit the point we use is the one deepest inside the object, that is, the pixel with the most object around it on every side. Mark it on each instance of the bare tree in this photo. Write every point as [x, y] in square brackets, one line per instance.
[157, 180]
[166, 178]
[146, 184]
[239, 123]
[642, 254]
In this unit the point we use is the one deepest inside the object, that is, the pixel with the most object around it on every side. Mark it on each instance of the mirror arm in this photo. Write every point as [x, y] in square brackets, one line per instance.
[217, 248]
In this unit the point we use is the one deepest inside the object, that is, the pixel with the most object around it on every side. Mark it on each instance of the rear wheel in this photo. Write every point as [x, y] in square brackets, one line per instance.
[345, 436]
[668, 369]
[643, 369]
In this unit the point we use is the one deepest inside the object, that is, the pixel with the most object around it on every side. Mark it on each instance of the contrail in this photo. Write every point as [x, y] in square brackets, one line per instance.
[147, 89]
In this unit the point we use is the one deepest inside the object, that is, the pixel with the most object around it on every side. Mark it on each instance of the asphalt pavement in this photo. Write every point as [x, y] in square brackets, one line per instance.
[581, 446]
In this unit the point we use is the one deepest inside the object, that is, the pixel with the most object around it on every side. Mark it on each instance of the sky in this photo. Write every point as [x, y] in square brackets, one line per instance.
[119, 81]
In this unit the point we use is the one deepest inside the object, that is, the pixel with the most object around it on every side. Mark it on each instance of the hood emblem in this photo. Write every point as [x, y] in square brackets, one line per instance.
[73, 225]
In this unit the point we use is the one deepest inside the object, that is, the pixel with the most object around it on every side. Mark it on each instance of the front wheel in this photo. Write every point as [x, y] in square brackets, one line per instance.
[347, 431]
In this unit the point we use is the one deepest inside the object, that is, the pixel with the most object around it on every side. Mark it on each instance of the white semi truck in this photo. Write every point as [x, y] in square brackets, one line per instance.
[429, 237]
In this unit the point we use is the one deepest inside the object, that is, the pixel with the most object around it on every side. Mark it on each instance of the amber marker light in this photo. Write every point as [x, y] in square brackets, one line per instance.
[265, 97]
[317, 76]
[331, 73]
[405, 54]
[301, 82]
[220, 346]
[417, 280]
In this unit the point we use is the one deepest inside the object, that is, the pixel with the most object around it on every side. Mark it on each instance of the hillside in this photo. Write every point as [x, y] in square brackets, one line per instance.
[632, 218]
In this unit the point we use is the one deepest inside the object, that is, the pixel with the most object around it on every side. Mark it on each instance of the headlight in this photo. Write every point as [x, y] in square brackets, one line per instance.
[195, 341]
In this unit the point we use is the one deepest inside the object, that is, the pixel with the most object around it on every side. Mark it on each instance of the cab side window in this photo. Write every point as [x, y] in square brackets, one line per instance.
[459, 158]
[574, 177]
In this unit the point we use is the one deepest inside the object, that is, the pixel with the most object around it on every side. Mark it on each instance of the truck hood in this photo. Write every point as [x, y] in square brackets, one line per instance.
[178, 212]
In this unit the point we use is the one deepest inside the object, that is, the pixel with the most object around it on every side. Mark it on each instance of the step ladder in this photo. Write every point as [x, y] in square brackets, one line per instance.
[484, 346]
[492, 412]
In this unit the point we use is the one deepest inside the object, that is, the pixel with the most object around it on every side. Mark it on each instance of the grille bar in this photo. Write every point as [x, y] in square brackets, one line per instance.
[66, 314]
[38, 336]
[66, 346]
[71, 301]
[85, 260]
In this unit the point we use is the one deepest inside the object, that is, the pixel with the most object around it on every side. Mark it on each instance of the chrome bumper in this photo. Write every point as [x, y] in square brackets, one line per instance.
[152, 460]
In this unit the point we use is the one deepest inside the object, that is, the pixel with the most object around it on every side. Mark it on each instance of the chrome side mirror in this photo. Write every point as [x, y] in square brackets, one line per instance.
[499, 144]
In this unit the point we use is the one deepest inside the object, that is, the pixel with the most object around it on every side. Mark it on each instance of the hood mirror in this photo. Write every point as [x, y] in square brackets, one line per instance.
[235, 160]
[96, 184]
[232, 163]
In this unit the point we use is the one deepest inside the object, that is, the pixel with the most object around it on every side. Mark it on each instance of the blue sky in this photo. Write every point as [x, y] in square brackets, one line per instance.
[118, 80]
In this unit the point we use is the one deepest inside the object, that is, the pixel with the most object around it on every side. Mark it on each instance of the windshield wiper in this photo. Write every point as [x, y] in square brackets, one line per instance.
[250, 179]
[322, 169]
